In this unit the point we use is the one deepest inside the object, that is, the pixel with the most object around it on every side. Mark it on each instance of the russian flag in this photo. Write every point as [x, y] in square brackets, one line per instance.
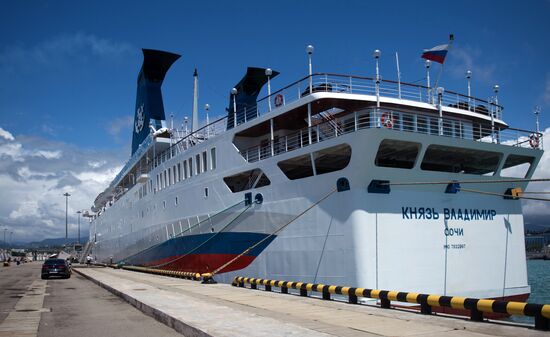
[436, 54]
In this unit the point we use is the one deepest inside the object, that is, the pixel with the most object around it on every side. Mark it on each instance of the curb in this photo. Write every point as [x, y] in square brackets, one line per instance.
[162, 317]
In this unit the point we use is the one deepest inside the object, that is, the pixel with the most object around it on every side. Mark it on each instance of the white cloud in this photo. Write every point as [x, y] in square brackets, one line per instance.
[47, 154]
[58, 49]
[34, 174]
[6, 134]
[463, 59]
[120, 124]
[546, 95]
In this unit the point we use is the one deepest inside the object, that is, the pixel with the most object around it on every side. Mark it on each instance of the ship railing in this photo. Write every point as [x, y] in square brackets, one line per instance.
[393, 120]
[182, 141]
[335, 83]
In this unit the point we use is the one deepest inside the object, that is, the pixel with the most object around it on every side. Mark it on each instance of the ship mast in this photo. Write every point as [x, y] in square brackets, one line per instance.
[195, 119]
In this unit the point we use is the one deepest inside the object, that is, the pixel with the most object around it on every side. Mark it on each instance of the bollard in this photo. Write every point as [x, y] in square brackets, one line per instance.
[326, 295]
[267, 287]
[253, 286]
[352, 299]
[284, 290]
[541, 322]
[303, 292]
[385, 303]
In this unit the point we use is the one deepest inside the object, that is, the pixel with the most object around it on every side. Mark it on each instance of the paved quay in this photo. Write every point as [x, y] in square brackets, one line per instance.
[196, 309]
[31, 307]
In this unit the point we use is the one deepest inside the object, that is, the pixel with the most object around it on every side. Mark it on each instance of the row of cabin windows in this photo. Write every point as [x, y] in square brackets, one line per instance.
[196, 165]
[440, 158]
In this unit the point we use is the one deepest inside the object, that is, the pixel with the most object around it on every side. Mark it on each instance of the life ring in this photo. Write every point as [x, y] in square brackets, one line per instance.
[279, 100]
[534, 141]
[387, 121]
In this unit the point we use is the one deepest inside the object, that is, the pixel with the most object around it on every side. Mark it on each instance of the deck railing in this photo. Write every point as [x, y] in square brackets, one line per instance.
[332, 127]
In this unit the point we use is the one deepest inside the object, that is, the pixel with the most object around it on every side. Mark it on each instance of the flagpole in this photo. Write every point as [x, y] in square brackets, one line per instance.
[398, 75]
[451, 39]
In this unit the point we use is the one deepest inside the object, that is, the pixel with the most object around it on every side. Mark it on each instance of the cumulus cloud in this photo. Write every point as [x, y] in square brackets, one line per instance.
[118, 125]
[6, 135]
[537, 212]
[34, 174]
[546, 95]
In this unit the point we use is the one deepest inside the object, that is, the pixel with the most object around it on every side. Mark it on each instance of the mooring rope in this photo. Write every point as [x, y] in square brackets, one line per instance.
[464, 182]
[203, 243]
[269, 236]
[503, 195]
[181, 233]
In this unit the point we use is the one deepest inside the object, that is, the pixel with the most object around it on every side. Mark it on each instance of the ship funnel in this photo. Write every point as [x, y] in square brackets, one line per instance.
[248, 90]
[149, 105]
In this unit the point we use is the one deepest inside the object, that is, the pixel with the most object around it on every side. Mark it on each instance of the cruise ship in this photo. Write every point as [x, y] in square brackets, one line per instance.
[333, 179]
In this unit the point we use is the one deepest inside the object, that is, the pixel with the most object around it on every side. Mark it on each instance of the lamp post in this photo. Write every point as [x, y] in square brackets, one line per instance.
[376, 54]
[537, 112]
[5, 230]
[234, 94]
[67, 195]
[207, 108]
[469, 77]
[78, 239]
[440, 91]
[309, 51]
[496, 89]
[268, 73]
[427, 64]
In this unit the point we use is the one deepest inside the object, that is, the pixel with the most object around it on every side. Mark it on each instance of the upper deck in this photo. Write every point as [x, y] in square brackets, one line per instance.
[323, 106]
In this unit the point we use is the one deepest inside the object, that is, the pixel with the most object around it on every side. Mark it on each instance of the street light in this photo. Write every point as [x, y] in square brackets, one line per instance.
[67, 195]
[234, 94]
[309, 51]
[78, 239]
[268, 73]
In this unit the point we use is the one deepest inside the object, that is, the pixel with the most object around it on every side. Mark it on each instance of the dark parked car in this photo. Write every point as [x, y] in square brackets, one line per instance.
[56, 267]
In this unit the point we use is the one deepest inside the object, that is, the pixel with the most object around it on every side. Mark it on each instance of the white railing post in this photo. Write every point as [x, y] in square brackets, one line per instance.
[355, 121]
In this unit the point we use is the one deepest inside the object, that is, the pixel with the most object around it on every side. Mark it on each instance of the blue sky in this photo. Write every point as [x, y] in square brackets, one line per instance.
[69, 70]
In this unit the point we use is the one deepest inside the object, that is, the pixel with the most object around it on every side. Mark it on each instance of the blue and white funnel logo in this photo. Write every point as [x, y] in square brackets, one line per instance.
[140, 118]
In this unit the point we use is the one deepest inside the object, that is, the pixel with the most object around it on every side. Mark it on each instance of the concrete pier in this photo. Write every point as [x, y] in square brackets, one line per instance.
[196, 309]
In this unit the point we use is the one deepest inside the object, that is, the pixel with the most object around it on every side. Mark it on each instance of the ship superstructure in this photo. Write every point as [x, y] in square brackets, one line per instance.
[333, 179]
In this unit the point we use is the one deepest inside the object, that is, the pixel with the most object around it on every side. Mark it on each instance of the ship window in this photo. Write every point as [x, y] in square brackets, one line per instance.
[460, 160]
[198, 163]
[213, 158]
[164, 204]
[516, 166]
[297, 167]
[190, 167]
[174, 172]
[408, 122]
[176, 201]
[179, 172]
[422, 124]
[185, 176]
[206, 192]
[169, 176]
[204, 166]
[246, 180]
[397, 153]
[332, 159]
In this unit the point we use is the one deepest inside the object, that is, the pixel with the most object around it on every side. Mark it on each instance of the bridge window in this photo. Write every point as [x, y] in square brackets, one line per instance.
[516, 166]
[213, 158]
[297, 167]
[460, 160]
[246, 180]
[397, 154]
[332, 159]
